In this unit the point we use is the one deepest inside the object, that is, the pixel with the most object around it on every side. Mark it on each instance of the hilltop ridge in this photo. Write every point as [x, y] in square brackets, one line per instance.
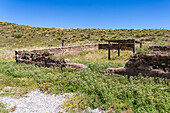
[19, 36]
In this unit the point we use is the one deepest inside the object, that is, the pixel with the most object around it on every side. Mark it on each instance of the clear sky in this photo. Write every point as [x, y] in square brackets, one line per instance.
[115, 14]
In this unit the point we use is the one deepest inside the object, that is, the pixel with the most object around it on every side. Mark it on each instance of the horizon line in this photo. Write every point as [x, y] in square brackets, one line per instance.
[88, 28]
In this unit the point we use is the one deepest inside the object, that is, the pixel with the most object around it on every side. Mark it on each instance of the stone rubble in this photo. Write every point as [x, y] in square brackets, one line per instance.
[152, 64]
[159, 48]
[43, 59]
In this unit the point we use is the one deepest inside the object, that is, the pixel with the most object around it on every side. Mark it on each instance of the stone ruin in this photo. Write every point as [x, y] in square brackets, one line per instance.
[43, 59]
[160, 48]
[152, 64]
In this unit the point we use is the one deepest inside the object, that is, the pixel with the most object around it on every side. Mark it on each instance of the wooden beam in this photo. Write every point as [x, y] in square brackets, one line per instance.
[140, 44]
[118, 49]
[16, 59]
[124, 41]
[63, 43]
[134, 46]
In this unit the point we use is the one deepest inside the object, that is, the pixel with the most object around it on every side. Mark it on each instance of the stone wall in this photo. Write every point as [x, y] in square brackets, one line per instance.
[159, 48]
[41, 57]
[44, 60]
[72, 50]
[152, 64]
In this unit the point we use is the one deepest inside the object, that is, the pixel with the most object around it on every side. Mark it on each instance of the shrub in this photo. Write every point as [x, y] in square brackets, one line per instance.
[18, 36]
[2, 109]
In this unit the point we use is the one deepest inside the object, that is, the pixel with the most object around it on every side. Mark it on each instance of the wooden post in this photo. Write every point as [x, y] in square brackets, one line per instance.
[118, 48]
[134, 46]
[16, 56]
[63, 43]
[140, 44]
[109, 50]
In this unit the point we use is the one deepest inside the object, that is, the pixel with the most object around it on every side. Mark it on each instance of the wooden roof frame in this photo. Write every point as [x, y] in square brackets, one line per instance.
[131, 41]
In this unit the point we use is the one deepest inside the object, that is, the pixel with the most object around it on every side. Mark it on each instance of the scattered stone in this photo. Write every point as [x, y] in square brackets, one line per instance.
[76, 65]
[146, 39]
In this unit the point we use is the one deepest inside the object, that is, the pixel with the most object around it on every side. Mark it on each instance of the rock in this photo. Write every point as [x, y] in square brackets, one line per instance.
[159, 48]
[120, 70]
[66, 60]
[146, 39]
[76, 65]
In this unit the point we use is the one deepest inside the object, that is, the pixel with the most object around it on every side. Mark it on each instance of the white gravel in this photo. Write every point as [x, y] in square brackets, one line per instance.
[39, 102]
[36, 102]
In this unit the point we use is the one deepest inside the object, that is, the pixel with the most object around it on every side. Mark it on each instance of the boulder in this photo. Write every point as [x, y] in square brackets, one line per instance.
[76, 65]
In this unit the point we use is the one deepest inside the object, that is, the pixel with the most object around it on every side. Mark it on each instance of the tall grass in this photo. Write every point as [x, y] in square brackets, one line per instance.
[2, 109]
[93, 89]
[114, 93]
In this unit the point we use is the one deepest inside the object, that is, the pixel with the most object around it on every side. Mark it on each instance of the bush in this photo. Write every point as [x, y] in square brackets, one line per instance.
[18, 36]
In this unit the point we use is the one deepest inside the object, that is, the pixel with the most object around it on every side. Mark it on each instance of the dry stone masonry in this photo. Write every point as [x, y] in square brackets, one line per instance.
[72, 50]
[43, 59]
[152, 64]
[160, 48]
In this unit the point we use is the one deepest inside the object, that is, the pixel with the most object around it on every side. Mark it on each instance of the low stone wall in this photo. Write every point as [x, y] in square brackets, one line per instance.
[159, 48]
[152, 64]
[44, 60]
[72, 50]
[41, 57]
[115, 46]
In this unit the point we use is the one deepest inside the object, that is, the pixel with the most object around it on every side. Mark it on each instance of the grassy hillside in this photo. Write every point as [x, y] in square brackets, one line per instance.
[13, 36]
[114, 93]
[20, 36]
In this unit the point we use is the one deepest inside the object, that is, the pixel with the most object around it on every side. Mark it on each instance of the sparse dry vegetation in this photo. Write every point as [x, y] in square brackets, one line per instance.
[114, 93]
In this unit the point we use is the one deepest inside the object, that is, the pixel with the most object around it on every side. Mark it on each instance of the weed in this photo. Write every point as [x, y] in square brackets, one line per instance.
[18, 36]
[2, 109]
[114, 93]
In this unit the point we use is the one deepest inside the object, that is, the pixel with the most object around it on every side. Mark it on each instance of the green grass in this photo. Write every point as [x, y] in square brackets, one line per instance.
[2, 109]
[98, 56]
[115, 93]
[92, 89]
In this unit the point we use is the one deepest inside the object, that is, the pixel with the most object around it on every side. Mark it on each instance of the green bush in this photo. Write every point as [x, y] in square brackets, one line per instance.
[18, 36]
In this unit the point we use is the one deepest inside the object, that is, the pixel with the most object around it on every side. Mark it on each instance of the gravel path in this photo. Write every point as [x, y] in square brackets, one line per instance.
[39, 102]
[36, 102]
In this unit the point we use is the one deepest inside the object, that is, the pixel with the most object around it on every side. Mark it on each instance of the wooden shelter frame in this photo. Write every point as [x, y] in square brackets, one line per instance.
[129, 41]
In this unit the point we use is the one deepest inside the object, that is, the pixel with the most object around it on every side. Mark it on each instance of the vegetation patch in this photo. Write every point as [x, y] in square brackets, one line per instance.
[114, 93]
[2, 108]
[94, 89]
[18, 36]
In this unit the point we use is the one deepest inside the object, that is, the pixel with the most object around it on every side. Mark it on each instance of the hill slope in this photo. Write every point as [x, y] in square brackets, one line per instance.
[13, 36]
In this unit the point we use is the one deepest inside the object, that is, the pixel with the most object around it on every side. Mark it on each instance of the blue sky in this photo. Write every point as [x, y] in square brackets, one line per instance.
[115, 14]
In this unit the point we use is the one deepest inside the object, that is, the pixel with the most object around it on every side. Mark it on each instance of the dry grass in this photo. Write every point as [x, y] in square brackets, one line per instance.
[114, 92]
